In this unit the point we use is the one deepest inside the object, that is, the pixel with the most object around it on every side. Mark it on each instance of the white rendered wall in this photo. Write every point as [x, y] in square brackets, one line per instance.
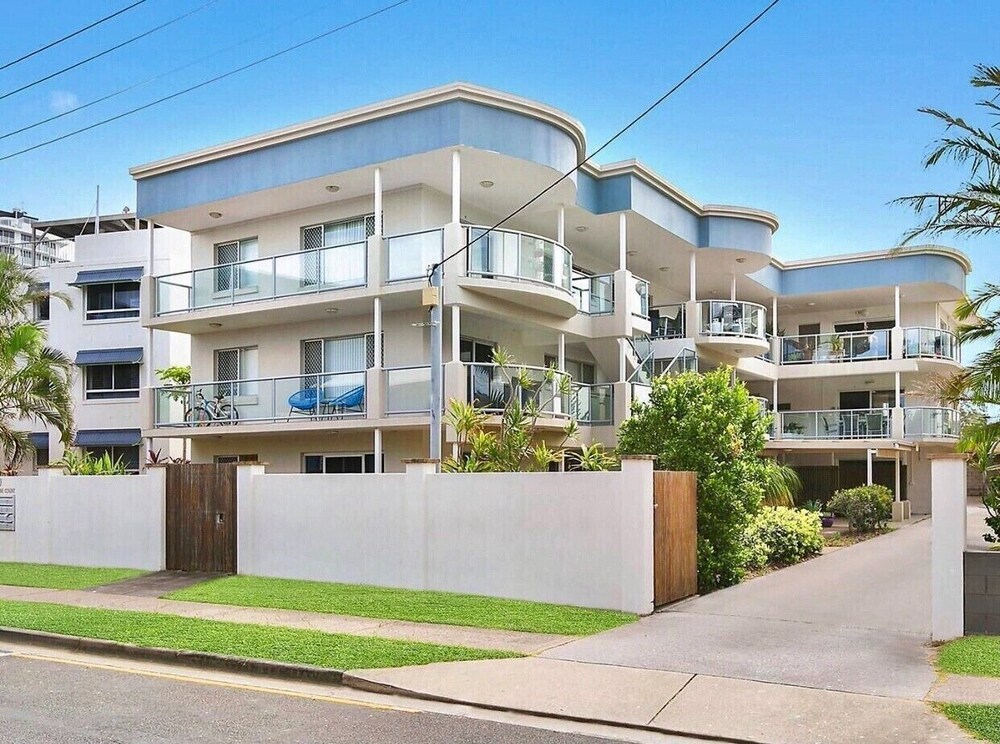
[948, 540]
[114, 521]
[573, 538]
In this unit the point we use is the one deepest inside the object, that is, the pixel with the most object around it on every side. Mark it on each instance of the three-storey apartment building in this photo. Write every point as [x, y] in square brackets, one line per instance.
[98, 327]
[309, 256]
[20, 241]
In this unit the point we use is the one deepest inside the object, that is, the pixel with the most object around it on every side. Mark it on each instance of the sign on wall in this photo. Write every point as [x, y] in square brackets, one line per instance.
[7, 499]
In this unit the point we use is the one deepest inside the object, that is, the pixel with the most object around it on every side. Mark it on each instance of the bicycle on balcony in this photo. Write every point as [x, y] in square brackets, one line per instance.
[209, 411]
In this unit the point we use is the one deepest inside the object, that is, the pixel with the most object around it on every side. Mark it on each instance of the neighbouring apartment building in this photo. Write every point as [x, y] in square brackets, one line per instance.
[310, 343]
[100, 330]
[20, 240]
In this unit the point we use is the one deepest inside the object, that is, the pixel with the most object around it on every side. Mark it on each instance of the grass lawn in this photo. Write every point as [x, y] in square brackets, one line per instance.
[982, 721]
[403, 604]
[47, 576]
[974, 655]
[234, 639]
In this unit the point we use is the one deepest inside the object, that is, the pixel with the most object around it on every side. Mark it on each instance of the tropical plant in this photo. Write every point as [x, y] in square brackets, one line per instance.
[179, 377]
[514, 443]
[85, 463]
[780, 482]
[973, 209]
[813, 505]
[711, 425]
[866, 508]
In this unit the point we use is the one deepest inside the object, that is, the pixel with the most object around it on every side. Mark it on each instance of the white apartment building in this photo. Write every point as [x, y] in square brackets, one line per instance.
[19, 239]
[309, 252]
[101, 332]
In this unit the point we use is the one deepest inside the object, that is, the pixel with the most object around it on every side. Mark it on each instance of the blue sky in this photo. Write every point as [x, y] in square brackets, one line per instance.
[812, 115]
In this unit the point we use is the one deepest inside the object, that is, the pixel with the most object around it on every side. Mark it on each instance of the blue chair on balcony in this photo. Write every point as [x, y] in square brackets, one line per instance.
[350, 400]
[304, 402]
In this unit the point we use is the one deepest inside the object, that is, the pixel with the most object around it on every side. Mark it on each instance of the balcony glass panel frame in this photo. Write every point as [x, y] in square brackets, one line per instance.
[826, 348]
[922, 342]
[409, 256]
[837, 424]
[518, 256]
[407, 389]
[592, 404]
[733, 318]
[285, 399]
[489, 387]
[931, 422]
[595, 295]
[272, 277]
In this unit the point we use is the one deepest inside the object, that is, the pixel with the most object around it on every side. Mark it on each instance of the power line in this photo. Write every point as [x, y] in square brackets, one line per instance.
[588, 158]
[67, 37]
[91, 58]
[154, 78]
[217, 78]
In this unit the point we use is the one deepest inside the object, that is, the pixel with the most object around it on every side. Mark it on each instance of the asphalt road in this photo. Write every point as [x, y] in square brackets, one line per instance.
[57, 703]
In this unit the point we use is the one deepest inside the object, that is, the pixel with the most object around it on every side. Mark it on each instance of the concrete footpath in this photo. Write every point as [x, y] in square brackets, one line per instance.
[448, 635]
[671, 702]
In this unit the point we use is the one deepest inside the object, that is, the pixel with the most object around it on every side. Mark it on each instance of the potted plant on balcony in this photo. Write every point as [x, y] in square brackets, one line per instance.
[794, 428]
[836, 348]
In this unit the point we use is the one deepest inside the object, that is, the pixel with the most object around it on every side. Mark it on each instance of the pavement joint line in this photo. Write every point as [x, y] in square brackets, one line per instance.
[360, 683]
[744, 679]
[833, 628]
[671, 699]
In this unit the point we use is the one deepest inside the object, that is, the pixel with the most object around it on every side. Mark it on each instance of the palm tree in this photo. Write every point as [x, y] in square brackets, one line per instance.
[35, 379]
[780, 482]
[972, 210]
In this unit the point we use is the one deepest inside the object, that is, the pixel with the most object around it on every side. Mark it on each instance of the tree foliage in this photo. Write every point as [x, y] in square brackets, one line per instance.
[973, 209]
[708, 424]
[512, 443]
[35, 379]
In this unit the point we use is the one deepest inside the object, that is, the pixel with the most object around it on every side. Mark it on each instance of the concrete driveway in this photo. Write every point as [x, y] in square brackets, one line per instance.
[854, 620]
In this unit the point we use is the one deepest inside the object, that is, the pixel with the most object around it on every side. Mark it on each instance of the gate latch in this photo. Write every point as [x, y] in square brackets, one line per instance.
[220, 518]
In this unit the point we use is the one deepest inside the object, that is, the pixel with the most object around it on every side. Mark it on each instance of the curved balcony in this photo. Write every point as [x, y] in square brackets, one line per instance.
[273, 277]
[524, 268]
[931, 343]
[733, 326]
[931, 423]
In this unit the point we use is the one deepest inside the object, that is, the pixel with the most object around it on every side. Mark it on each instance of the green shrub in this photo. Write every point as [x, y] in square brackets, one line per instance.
[755, 550]
[705, 423]
[866, 508]
[785, 536]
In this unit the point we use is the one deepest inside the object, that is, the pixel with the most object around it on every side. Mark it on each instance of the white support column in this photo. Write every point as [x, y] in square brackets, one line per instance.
[456, 187]
[732, 289]
[562, 352]
[895, 307]
[456, 333]
[871, 456]
[378, 450]
[561, 226]
[776, 424]
[948, 538]
[378, 202]
[693, 276]
[377, 331]
[899, 393]
[622, 242]
[621, 359]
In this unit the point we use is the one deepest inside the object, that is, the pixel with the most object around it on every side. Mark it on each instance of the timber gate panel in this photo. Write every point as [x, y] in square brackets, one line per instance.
[201, 517]
[675, 536]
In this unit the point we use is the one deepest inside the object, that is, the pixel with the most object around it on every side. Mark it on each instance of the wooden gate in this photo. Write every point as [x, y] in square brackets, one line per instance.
[675, 536]
[201, 518]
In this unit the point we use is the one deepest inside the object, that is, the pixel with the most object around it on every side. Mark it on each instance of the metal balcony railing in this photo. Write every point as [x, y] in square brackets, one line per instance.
[930, 343]
[821, 348]
[732, 318]
[863, 423]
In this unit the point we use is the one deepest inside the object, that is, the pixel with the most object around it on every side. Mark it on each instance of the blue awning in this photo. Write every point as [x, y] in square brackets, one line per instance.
[40, 439]
[108, 437]
[130, 355]
[106, 276]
